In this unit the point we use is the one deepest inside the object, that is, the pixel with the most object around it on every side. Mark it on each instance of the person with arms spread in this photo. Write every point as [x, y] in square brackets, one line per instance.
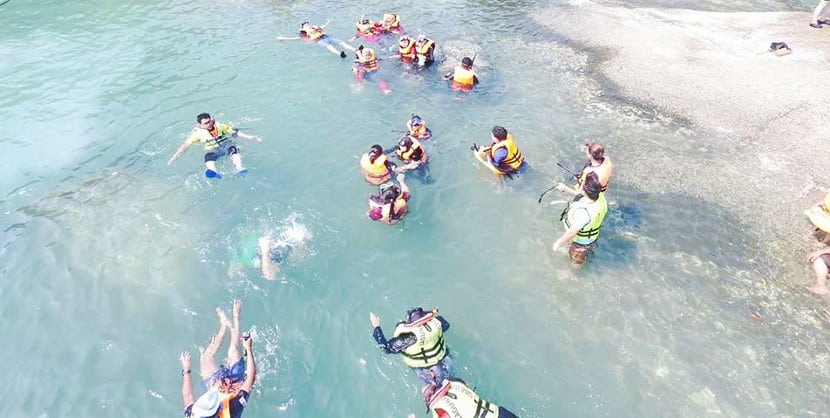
[315, 34]
[217, 140]
[419, 338]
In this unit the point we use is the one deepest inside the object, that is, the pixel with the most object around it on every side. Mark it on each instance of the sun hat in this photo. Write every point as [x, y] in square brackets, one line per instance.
[207, 404]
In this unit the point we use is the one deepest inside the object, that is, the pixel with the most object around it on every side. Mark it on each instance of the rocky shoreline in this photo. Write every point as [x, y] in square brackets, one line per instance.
[759, 120]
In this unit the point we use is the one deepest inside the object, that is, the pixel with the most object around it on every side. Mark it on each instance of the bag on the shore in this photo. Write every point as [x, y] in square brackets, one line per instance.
[780, 49]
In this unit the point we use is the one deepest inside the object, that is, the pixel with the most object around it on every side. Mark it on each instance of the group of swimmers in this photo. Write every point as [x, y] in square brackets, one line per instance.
[418, 52]
[419, 337]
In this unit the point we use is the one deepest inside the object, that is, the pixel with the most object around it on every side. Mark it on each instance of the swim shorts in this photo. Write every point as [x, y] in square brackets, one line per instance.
[579, 252]
[226, 148]
[235, 373]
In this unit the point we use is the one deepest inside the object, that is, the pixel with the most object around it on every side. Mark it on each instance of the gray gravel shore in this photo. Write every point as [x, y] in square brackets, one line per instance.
[760, 120]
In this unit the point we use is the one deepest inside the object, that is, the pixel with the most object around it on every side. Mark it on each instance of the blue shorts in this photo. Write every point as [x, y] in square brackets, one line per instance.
[441, 371]
[328, 40]
[236, 374]
[225, 148]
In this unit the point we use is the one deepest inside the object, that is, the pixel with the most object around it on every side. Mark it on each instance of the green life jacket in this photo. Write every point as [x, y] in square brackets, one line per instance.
[429, 348]
[596, 210]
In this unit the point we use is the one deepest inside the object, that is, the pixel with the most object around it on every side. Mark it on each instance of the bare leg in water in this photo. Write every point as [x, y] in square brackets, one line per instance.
[207, 360]
[233, 350]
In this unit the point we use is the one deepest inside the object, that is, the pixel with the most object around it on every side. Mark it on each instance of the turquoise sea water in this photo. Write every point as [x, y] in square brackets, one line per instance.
[113, 262]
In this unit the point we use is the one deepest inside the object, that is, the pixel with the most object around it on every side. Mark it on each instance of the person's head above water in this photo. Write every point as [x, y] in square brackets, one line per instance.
[389, 192]
[595, 151]
[405, 142]
[592, 186]
[467, 62]
[203, 118]
[375, 151]
[404, 40]
[304, 24]
[416, 120]
[499, 133]
[414, 314]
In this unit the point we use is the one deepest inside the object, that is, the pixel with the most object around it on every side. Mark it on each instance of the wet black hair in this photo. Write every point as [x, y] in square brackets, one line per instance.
[467, 61]
[202, 116]
[414, 314]
[500, 133]
[375, 151]
[591, 186]
[406, 141]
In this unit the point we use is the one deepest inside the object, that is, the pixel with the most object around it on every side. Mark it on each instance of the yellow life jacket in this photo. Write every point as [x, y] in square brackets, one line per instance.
[312, 33]
[596, 210]
[417, 132]
[429, 348]
[375, 173]
[400, 209]
[227, 398]
[423, 48]
[514, 157]
[819, 215]
[459, 401]
[367, 59]
[463, 78]
[406, 154]
[603, 173]
[407, 52]
[365, 29]
[391, 22]
[212, 139]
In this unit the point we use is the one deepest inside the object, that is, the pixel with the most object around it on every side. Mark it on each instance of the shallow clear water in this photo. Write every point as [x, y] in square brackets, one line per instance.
[113, 262]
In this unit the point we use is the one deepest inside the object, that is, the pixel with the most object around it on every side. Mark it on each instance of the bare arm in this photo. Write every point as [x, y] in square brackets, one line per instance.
[323, 26]
[289, 38]
[566, 237]
[182, 148]
[268, 267]
[250, 365]
[404, 188]
[563, 188]
[187, 385]
[246, 136]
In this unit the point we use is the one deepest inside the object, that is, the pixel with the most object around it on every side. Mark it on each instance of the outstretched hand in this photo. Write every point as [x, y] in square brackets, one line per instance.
[374, 319]
[185, 359]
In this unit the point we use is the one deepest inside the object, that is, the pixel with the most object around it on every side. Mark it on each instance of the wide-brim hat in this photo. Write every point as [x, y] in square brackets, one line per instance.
[207, 404]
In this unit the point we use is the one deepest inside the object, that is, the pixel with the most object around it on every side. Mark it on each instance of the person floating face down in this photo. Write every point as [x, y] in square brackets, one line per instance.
[217, 139]
[419, 338]
[463, 78]
[392, 203]
[229, 388]
[454, 399]
[598, 163]
[376, 166]
[417, 128]
[502, 156]
[583, 219]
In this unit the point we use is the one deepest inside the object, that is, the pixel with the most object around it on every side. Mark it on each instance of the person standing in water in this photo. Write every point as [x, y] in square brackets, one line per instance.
[583, 220]
[816, 22]
[315, 34]
[597, 163]
[503, 156]
[217, 139]
[463, 78]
